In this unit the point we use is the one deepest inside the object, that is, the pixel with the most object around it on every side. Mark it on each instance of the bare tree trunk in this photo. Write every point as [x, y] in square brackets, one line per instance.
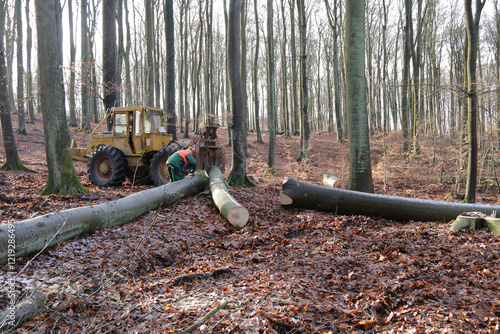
[62, 176]
[72, 76]
[170, 64]
[295, 107]
[237, 176]
[472, 28]
[271, 99]
[360, 178]
[109, 57]
[85, 68]
[126, 60]
[255, 75]
[304, 97]
[12, 161]
[121, 52]
[29, 76]
[405, 105]
[150, 82]
[21, 120]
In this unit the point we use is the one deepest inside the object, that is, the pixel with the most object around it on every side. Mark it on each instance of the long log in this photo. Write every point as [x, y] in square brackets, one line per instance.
[10, 319]
[35, 234]
[345, 202]
[233, 211]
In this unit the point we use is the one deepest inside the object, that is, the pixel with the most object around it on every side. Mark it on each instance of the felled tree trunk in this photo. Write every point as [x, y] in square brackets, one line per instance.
[35, 234]
[11, 319]
[310, 196]
[234, 212]
[331, 180]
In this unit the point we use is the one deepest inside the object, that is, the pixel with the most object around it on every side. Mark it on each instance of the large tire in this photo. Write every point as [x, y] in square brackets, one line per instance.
[107, 167]
[158, 167]
[141, 176]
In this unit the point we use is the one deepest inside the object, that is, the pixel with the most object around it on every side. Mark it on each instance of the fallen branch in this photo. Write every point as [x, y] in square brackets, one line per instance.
[205, 318]
[38, 233]
[11, 319]
[311, 196]
[234, 212]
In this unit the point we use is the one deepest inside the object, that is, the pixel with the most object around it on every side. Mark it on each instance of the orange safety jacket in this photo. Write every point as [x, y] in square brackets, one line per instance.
[183, 154]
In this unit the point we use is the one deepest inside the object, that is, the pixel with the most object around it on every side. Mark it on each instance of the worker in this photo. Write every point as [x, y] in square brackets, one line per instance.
[179, 163]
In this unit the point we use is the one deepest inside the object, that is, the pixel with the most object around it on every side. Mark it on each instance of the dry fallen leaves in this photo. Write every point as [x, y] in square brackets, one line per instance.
[288, 270]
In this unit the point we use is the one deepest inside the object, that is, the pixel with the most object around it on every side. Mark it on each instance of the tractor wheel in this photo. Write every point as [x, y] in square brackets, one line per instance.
[158, 167]
[107, 167]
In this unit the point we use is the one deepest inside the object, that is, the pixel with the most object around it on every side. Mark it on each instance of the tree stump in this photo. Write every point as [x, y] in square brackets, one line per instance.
[476, 221]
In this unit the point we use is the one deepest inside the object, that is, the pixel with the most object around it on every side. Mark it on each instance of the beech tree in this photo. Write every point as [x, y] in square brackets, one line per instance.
[21, 120]
[85, 68]
[238, 175]
[12, 161]
[109, 57]
[360, 177]
[472, 29]
[271, 100]
[170, 65]
[62, 176]
[72, 76]
[304, 95]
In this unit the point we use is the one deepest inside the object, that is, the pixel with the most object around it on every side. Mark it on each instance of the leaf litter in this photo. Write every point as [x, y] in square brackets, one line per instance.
[288, 271]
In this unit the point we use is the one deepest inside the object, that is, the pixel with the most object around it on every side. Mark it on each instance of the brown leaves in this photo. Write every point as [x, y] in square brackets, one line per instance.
[288, 270]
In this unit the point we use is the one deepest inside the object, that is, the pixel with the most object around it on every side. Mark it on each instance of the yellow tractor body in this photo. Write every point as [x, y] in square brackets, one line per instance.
[137, 147]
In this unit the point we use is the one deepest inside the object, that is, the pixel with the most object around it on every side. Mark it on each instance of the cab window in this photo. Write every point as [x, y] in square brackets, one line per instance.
[121, 123]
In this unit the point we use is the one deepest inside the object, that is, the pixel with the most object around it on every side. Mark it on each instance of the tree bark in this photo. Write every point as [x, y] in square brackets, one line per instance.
[303, 96]
[346, 202]
[360, 177]
[109, 57]
[62, 176]
[72, 76]
[233, 211]
[255, 74]
[271, 99]
[21, 119]
[28, 307]
[238, 175]
[472, 28]
[170, 64]
[36, 234]
[12, 161]
[85, 68]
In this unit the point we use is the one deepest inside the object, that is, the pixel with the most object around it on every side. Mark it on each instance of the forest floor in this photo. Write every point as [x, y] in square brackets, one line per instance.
[287, 271]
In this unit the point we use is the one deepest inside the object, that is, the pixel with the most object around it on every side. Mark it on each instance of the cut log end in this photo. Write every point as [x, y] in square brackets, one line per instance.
[238, 216]
[285, 199]
[332, 181]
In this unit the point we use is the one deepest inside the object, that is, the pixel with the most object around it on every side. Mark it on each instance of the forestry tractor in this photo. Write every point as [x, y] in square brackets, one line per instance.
[138, 147]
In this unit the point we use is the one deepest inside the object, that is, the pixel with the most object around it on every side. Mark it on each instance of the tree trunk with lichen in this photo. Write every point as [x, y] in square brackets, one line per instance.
[62, 176]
